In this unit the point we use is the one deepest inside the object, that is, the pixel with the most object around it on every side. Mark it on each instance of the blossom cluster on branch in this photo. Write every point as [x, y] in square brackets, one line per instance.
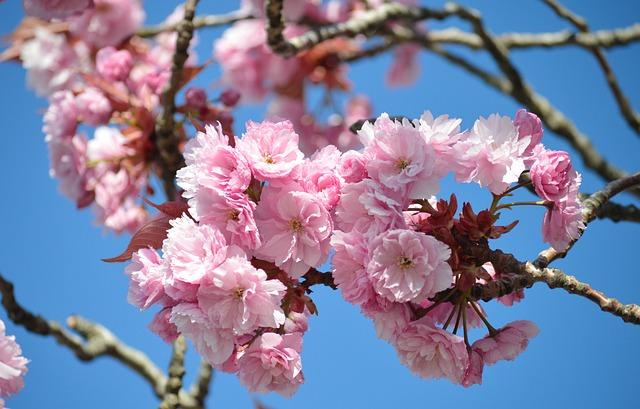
[230, 263]
[260, 218]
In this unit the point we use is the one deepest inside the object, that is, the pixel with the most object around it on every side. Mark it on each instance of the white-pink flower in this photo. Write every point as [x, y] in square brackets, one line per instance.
[51, 63]
[238, 296]
[492, 154]
[61, 118]
[48, 9]
[231, 213]
[392, 321]
[247, 63]
[369, 206]
[473, 374]
[162, 327]
[145, 272]
[507, 343]
[109, 22]
[68, 164]
[13, 366]
[272, 364]
[272, 149]
[529, 125]
[441, 133]
[191, 251]
[563, 223]
[352, 166]
[409, 266]
[114, 65]
[93, 107]
[553, 175]
[349, 266]
[398, 157]
[213, 164]
[214, 344]
[295, 228]
[431, 352]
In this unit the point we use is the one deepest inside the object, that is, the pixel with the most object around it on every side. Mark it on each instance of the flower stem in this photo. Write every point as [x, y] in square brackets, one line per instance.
[492, 331]
[544, 203]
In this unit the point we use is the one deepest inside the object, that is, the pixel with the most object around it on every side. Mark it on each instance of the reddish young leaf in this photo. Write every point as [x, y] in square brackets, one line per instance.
[151, 234]
[174, 208]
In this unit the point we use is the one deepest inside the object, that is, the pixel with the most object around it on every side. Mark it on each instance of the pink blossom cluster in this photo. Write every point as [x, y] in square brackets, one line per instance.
[250, 67]
[13, 366]
[235, 268]
[97, 74]
[395, 251]
[259, 218]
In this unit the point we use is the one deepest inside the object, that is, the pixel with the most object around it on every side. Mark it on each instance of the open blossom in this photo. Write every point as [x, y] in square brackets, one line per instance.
[161, 326]
[67, 159]
[114, 65]
[409, 266]
[398, 157]
[145, 272]
[231, 213]
[295, 227]
[247, 63]
[553, 175]
[392, 321]
[213, 164]
[492, 154]
[48, 9]
[214, 344]
[51, 63]
[115, 205]
[562, 223]
[61, 118]
[405, 68]
[441, 133]
[529, 125]
[369, 206]
[431, 352]
[13, 366]
[191, 252]
[352, 166]
[93, 107]
[109, 22]
[507, 343]
[108, 145]
[272, 149]
[238, 296]
[272, 363]
[349, 266]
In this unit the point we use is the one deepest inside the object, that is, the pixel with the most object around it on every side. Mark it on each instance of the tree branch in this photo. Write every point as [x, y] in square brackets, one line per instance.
[632, 117]
[601, 38]
[166, 139]
[364, 23]
[198, 22]
[528, 274]
[176, 372]
[200, 388]
[555, 120]
[96, 341]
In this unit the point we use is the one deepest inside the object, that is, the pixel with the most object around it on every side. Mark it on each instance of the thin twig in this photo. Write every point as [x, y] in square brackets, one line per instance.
[367, 22]
[176, 372]
[166, 139]
[95, 340]
[198, 22]
[201, 386]
[630, 115]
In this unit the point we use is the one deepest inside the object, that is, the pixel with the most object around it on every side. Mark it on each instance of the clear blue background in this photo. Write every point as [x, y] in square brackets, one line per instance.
[582, 357]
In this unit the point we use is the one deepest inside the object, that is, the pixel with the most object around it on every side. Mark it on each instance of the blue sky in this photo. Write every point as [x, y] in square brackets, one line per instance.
[582, 357]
